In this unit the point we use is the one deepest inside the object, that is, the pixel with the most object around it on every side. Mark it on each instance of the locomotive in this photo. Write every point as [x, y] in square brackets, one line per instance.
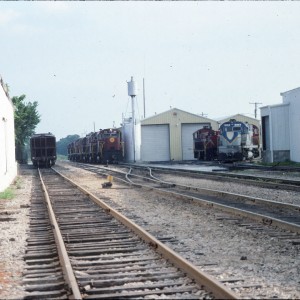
[105, 145]
[205, 143]
[43, 149]
[238, 141]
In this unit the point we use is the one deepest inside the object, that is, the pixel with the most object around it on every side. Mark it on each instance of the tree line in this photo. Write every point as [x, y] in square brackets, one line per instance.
[27, 118]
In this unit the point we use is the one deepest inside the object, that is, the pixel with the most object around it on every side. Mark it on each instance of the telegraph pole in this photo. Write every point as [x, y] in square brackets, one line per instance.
[255, 110]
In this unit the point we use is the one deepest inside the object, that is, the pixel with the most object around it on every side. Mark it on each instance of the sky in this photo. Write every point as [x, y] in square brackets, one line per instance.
[211, 58]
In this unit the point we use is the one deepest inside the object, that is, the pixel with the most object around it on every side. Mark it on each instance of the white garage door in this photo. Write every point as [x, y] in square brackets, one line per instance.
[187, 131]
[155, 143]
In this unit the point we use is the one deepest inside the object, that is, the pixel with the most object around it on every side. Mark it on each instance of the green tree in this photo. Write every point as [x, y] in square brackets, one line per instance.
[26, 119]
[62, 144]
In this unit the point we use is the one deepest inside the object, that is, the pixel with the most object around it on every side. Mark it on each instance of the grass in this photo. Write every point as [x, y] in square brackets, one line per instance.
[283, 163]
[7, 194]
[62, 157]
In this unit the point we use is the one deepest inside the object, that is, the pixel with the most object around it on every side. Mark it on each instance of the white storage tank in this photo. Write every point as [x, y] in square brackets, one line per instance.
[131, 154]
[132, 88]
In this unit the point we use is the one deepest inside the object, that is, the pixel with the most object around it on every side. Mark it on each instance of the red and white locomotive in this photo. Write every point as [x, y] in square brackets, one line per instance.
[105, 145]
[205, 143]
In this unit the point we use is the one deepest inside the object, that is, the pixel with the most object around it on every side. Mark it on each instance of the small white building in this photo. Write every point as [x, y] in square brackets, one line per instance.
[280, 129]
[8, 165]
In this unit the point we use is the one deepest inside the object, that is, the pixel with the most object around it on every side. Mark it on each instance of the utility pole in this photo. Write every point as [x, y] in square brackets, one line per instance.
[255, 110]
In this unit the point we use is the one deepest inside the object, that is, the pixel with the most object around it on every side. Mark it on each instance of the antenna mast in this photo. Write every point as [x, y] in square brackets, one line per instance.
[144, 98]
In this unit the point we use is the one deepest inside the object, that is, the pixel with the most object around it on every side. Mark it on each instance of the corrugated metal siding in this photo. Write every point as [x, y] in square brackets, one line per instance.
[155, 144]
[280, 128]
[187, 131]
[293, 98]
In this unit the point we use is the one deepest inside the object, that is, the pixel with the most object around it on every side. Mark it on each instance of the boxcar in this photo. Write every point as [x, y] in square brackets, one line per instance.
[43, 149]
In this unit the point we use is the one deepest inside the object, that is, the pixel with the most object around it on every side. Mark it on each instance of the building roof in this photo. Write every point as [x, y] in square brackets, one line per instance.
[174, 111]
[290, 91]
[237, 116]
[274, 105]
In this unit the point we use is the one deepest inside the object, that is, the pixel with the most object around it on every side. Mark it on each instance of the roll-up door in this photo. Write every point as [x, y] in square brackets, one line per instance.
[187, 131]
[155, 143]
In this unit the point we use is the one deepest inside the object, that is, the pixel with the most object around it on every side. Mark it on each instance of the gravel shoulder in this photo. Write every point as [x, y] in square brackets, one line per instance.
[13, 228]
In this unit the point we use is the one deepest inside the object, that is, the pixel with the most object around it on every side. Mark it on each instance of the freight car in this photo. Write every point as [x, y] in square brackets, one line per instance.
[105, 145]
[238, 141]
[205, 143]
[43, 149]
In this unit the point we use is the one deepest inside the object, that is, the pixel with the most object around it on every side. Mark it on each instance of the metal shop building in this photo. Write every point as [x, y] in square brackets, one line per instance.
[169, 135]
[280, 129]
[8, 165]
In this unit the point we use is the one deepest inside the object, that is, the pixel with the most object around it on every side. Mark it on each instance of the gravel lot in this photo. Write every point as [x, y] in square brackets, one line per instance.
[217, 246]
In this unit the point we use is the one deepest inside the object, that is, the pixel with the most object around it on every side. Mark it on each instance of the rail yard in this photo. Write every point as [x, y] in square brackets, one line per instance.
[248, 255]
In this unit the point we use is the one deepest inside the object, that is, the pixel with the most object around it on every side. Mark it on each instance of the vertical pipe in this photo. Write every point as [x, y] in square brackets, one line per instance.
[133, 127]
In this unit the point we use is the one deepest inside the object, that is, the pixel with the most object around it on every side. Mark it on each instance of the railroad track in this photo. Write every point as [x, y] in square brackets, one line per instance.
[79, 247]
[255, 180]
[266, 212]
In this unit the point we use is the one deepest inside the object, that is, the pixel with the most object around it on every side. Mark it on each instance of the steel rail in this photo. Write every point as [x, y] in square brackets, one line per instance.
[62, 252]
[269, 182]
[267, 220]
[231, 195]
[237, 211]
[241, 212]
[210, 284]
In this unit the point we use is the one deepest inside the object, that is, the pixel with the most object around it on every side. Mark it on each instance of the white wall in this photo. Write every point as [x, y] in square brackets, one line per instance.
[280, 128]
[8, 165]
[293, 98]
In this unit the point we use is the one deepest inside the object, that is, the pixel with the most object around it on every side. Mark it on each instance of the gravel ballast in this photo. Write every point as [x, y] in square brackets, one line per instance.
[268, 264]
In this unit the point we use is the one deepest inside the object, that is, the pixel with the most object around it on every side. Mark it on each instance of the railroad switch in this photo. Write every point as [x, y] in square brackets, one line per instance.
[108, 184]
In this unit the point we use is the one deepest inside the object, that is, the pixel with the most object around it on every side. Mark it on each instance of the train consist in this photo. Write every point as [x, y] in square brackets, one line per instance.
[43, 149]
[235, 141]
[105, 145]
